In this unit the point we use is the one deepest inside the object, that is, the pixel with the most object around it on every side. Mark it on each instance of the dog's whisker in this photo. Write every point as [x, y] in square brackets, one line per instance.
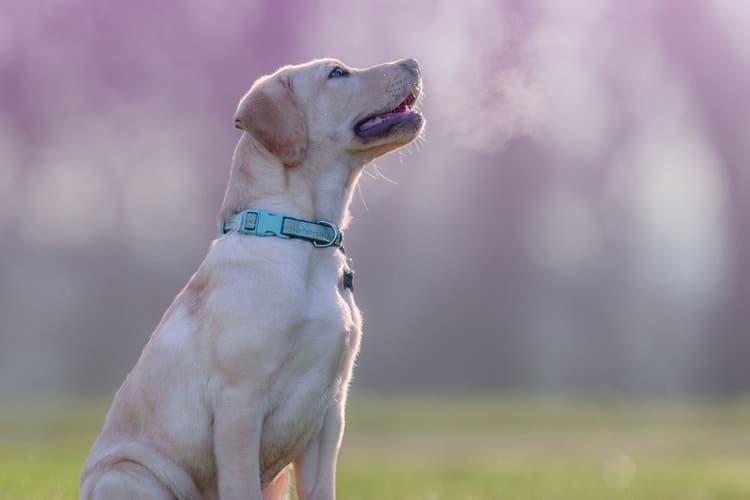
[368, 173]
[383, 176]
[362, 197]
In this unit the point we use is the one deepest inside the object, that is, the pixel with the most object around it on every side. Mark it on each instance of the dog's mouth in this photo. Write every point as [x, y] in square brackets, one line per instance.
[382, 123]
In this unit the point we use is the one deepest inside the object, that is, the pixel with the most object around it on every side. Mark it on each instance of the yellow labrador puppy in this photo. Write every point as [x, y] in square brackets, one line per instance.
[248, 370]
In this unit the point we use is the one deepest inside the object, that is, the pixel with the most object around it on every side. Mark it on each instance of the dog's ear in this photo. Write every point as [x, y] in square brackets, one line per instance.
[270, 113]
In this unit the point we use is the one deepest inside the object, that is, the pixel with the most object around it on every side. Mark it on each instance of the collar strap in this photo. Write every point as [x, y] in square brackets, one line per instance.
[264, 223]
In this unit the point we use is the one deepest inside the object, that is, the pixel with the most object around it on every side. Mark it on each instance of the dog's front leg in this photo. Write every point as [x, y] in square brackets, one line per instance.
[237, 429]
[315, 469]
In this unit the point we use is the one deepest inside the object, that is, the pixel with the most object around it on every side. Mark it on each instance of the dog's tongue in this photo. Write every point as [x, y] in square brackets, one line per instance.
[404, 106]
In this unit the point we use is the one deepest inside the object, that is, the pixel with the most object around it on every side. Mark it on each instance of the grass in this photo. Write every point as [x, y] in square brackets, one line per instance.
[460, 447]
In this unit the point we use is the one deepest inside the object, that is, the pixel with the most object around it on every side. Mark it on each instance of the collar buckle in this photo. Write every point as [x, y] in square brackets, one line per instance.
[265, 224]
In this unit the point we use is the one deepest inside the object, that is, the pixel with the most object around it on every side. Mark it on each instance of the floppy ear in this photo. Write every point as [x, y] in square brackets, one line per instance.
[270, 113]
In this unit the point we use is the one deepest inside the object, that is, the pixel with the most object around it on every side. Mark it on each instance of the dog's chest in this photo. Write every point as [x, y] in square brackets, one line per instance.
[322, 350]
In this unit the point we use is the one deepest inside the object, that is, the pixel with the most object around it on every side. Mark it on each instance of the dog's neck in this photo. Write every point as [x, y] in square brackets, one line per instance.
[306, 191]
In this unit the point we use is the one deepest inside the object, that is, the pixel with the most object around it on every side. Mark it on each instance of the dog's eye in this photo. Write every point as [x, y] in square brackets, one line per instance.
[338, 72]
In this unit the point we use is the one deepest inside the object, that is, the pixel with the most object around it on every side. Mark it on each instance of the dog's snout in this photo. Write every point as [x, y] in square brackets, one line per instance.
[412, 65]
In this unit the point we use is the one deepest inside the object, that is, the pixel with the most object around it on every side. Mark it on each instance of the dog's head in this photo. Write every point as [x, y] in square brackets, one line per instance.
[326, 106]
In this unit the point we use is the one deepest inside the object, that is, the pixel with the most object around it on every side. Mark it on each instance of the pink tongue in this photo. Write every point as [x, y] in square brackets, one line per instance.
[401, 107]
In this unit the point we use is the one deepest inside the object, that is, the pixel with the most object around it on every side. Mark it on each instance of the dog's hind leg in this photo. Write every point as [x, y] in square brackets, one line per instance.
[125, 481]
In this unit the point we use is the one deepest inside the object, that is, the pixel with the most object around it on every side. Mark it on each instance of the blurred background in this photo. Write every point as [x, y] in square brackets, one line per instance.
[576, 219]
[574, 227]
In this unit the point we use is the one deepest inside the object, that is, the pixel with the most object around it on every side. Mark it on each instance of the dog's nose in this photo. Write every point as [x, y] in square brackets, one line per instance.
[412, 65]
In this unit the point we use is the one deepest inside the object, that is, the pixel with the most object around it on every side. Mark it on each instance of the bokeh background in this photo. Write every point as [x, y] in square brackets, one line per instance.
[576, 219]
[555, 282]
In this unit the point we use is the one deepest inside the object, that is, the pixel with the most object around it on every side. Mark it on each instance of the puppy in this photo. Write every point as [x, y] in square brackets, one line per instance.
[248, 370]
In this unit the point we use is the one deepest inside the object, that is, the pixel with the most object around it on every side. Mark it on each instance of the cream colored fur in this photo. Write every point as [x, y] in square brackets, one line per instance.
[248, 370]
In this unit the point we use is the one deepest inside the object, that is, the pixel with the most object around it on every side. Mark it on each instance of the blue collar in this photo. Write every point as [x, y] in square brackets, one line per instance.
[264, 223]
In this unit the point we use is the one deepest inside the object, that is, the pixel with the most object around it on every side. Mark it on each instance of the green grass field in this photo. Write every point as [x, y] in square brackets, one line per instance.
[467, 447]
